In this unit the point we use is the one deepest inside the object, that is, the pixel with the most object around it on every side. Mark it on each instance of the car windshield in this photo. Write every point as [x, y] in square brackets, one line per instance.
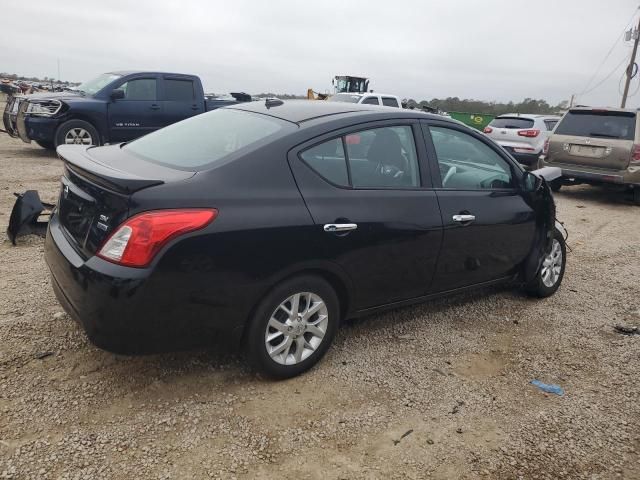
[345, 98]
[94, 86]
[205, 139]
[604, 124]
[511, 122]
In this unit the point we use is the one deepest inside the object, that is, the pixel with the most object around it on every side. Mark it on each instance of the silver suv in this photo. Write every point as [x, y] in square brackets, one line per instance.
[523, 136]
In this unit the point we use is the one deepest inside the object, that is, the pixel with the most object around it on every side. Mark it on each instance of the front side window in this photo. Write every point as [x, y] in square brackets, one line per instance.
[390, 102]
[466, 163]
[140, 89]
[178, 90]
[371, 101]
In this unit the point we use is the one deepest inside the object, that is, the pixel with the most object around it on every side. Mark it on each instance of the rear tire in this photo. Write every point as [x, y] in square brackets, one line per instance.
[77, 132]
[549, 277]
[292, 327]
[47, 145]
[555, 185]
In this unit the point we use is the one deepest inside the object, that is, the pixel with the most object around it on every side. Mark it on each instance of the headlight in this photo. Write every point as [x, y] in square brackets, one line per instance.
[43, 108]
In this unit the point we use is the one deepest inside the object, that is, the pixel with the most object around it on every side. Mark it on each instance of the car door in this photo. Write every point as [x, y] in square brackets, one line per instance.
[375, 211]
[138, 113]
[489, 228]
[179, 99]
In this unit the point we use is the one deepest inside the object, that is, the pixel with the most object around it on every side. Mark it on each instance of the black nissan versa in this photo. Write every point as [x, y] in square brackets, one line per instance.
[270, 222]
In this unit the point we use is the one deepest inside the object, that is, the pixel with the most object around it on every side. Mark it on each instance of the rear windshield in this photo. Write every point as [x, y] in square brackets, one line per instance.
[589, 123]
[511, 122]
[205, 139]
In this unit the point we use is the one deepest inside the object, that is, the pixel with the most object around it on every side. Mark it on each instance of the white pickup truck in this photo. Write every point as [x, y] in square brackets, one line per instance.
[368, 98]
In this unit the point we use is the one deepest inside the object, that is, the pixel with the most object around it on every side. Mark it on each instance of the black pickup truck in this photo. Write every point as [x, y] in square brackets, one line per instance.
[114, 107]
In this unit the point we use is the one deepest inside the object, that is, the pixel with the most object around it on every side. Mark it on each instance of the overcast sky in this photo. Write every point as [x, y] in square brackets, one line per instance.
[486, 49]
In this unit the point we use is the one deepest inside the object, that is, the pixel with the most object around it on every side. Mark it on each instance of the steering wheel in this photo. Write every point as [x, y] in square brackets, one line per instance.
[450, 173]
[389, 171]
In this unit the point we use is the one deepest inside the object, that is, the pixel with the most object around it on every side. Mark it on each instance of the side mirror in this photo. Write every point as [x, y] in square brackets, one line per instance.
[117, 94]
[530, 182]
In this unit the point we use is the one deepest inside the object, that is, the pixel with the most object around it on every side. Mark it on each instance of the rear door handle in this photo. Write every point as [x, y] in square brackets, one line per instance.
[195, 107]
[155, 106]
[339, 227]
[464, 218]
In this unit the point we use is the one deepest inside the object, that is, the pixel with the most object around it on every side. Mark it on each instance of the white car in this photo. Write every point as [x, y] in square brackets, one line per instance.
[523, 136]
[370, 98]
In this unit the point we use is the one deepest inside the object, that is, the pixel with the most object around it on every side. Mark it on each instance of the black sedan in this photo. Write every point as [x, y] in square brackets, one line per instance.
[270, 222]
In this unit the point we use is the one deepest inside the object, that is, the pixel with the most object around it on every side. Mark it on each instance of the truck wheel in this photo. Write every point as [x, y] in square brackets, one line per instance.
[47, 145]
[77, 132]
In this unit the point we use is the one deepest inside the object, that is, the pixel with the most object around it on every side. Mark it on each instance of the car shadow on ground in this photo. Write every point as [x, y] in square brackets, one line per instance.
[599, 195]
[32, 153]
[227, 362]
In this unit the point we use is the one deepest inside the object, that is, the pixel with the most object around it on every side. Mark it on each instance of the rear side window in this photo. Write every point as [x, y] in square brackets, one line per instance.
[511, 122]
[589, 123]
[178, 90]
[377, 158]
[140, 89]
[328, 160]
[205, 139]
[371, 101]
[550, 124]
[390, 102]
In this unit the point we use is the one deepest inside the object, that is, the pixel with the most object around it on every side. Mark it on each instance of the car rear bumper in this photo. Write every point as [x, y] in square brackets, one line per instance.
[529, 160]
[630, 176]
[127, 310]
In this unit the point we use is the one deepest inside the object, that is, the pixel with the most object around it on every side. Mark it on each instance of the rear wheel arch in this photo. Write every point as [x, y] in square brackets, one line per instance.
[339, 285]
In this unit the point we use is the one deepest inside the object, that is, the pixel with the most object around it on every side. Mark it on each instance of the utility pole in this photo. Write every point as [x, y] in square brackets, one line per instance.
[573, 96]
[636, 36]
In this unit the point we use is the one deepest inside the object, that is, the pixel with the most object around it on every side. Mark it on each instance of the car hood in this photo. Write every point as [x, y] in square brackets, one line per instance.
[54, 95]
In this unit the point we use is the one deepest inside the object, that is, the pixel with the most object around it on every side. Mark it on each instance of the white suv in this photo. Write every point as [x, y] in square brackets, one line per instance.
[381, 99]
[523, 136]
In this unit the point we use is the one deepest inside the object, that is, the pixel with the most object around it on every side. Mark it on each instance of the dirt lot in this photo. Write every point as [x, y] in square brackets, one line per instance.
[435, 391]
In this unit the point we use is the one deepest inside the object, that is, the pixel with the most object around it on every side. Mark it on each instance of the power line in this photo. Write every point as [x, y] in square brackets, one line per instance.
[605, 78]
[606, 57]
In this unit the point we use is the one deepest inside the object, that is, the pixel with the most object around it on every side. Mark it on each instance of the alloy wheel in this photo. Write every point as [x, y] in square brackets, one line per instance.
[552, 265]
[296, 328]
[78, 136]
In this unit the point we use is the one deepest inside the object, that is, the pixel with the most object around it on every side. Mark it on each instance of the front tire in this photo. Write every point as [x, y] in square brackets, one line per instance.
[293, 327]
[549, 277]
[77, 132]
[555, 185]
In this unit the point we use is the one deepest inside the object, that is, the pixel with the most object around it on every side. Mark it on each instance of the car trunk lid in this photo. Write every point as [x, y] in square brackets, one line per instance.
[594, 138]
[96, 190]
[514, 132]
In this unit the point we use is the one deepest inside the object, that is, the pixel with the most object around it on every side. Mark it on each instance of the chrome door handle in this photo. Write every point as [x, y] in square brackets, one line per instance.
[339, 227]
[464, 218]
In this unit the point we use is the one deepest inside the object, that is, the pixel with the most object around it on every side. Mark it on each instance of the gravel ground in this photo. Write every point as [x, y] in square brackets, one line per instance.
[439, 390]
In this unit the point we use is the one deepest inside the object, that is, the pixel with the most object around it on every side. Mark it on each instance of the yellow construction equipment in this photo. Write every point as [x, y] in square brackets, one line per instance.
[342, 84]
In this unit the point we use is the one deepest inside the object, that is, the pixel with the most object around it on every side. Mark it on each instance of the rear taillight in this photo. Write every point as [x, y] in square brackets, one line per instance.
[487, 130]
[529, 133]
[635, 155]
[545, 148]
[141, 237]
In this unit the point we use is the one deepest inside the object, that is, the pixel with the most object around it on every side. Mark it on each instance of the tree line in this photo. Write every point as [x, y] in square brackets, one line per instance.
[455, 104]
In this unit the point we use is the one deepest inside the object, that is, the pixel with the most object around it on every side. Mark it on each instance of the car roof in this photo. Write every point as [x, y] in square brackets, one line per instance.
[527, 116]
[298, 111]
[604, 109]
[124, 73]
